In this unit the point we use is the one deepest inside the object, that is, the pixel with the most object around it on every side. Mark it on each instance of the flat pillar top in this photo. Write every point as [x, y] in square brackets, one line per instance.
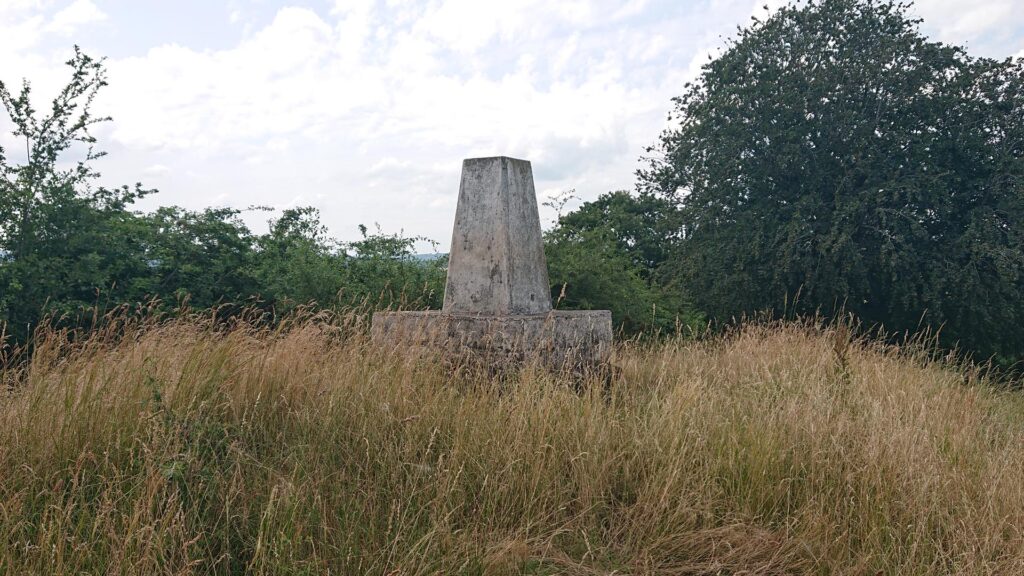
[497, 265]
[493, 159]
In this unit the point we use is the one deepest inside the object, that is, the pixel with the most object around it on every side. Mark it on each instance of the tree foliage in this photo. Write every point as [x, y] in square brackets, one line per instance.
[61, 238]
[832, 158]
[608, 255]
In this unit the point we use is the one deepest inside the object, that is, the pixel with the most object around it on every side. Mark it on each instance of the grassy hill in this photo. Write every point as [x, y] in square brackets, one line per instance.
[778, 450]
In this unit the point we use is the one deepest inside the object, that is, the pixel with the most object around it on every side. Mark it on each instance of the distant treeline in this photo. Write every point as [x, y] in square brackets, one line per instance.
[830, 161]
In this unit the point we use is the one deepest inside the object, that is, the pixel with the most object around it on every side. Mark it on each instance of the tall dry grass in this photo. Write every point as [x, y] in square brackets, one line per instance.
[179, 449]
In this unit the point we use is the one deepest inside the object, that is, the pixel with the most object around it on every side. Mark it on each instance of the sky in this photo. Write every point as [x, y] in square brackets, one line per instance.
[365, 109]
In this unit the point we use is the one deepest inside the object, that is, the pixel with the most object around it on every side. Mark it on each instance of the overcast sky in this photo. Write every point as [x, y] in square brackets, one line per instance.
[365, 109]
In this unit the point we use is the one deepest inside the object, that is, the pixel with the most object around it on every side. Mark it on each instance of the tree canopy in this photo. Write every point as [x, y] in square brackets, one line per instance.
[833, 159]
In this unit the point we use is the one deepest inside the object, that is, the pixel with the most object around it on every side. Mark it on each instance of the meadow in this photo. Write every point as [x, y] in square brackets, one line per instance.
[179, 447]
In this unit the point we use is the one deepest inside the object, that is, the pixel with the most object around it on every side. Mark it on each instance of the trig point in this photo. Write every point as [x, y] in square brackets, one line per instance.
[497, 300]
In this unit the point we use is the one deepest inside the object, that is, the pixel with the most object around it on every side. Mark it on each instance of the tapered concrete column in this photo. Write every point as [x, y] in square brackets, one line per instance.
[497, 300]
[496, 265]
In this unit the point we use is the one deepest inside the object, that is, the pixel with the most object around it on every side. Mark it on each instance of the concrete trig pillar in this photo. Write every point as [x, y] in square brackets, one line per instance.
[497, 301]
[496, 265]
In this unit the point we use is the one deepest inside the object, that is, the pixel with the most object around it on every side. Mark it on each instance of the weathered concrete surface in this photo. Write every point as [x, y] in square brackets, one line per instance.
[558, 339]
[497, 301]
[496, 264]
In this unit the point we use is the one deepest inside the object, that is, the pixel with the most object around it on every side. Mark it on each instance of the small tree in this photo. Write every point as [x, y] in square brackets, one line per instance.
[60, 237]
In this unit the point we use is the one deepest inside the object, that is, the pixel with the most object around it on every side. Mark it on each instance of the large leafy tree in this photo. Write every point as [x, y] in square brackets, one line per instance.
[832, 158]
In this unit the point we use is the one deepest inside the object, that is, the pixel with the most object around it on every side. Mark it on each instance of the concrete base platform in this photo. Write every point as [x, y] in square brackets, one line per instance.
[558, 339]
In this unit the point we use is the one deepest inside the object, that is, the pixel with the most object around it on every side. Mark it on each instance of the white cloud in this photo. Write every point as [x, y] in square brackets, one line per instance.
[293, 77]
[25, 28]
[13, 8]
[20, 33]
[273, 83]
[354, 26]
[80, 12]
[982, 26]
[632, 8]
[468, 25]
[156, 170]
